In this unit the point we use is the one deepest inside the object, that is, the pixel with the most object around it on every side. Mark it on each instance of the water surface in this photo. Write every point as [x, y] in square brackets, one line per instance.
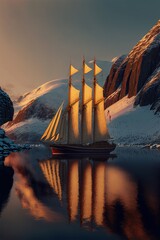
[80, 198]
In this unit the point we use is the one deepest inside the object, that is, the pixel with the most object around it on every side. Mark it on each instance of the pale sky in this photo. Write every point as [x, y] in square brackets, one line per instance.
[39, 37]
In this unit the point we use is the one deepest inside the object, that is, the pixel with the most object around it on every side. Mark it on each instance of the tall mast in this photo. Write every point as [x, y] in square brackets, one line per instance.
[69, 99]
[82, 104]
[94, 89]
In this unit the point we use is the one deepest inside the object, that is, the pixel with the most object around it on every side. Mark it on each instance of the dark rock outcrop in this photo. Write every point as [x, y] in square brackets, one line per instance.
[35, 109]
[135, 70]
[150, 93]
[111, 88]
[6, 108]
[7, 146]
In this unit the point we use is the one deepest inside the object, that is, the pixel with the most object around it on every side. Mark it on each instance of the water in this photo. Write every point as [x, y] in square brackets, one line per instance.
[115, 198]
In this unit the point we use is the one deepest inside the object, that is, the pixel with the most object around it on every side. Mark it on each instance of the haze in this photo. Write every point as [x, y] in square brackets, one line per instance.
[39, 37]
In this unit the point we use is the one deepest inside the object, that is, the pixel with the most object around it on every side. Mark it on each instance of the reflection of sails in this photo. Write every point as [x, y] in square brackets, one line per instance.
[6, 182]
[84, 196]
[99, 194]
[30, 190]
[98, 190]
[86, 192]
[51, 172]
[73, 189]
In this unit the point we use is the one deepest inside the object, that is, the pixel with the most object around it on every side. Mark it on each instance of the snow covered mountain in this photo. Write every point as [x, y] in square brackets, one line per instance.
[137, 73]
[34, 110]
[132, 89]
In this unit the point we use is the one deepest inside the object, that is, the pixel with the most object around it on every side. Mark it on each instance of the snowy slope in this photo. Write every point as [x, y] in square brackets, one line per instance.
[133, 125]
[46, 93]
[121, 107]
[28, 131]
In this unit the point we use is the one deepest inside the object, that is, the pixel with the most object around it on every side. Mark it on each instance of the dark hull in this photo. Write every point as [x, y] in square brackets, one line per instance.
[96, 148]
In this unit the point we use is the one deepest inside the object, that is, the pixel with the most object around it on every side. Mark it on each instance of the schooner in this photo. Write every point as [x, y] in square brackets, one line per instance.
[82, 126]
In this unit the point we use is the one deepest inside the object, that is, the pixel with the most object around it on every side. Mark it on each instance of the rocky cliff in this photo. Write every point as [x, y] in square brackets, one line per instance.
[137, 72]
[6, 114]
[6, 108]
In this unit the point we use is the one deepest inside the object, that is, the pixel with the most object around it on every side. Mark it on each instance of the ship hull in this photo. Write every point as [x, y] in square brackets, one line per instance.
[96, 148]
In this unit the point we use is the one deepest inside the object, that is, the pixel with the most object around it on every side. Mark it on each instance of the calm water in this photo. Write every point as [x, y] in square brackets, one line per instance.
[44, 198]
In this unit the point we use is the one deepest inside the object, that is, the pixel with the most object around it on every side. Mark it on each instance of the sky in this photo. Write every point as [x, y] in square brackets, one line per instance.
[39, 38]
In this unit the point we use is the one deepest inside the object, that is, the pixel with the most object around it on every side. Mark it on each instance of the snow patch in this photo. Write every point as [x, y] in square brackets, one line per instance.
[131, 125]
[28, 131]
[123, 106]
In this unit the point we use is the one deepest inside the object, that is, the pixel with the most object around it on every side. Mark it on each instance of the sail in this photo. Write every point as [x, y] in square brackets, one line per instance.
[97, 70]
[60, 134]
[73, 120]
[86, 68]
[73, 70]
[86, 130]
[63, 130]
[100, 126]
[51, 129]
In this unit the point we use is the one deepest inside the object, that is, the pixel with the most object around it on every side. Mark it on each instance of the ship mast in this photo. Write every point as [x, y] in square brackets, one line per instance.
[69, 100]
[82, 104]
[94, 89]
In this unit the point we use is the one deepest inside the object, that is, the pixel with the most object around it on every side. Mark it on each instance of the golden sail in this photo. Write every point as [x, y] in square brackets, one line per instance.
[81, 127]
[100, 127]
[50, 132]
[73, 119]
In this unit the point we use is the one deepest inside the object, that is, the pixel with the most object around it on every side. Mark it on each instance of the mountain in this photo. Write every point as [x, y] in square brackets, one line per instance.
[6, 108]
[34, 110]
[131, 90]
[138, 73]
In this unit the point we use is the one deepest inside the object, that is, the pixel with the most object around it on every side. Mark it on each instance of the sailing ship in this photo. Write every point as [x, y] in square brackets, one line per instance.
[81, 127]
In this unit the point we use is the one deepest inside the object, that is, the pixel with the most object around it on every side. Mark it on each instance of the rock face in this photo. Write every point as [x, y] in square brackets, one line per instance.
[35, 109]
[6, 108]
[7, 146]
[130, 74]
[150, 93]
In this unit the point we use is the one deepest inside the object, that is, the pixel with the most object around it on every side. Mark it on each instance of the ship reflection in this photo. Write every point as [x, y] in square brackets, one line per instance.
[6, 182]
[99, 194]
[31, 189]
